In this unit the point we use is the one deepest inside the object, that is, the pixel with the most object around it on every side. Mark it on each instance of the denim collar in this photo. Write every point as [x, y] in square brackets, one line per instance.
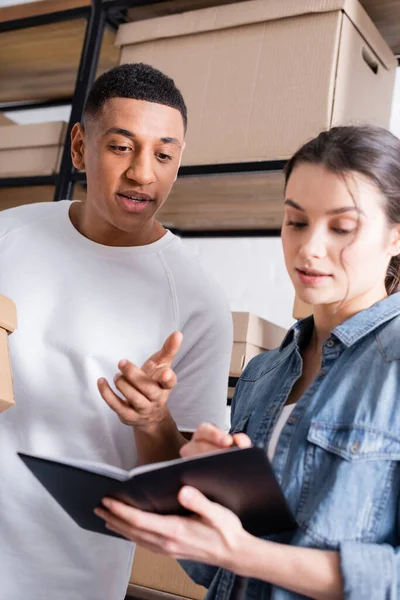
[355, 328]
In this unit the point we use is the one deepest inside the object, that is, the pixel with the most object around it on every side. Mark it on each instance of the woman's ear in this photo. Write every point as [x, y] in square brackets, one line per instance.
[78, 146]
[394, 249]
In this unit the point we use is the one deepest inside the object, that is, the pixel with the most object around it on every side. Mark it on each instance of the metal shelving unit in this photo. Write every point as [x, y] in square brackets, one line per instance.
[100, 14]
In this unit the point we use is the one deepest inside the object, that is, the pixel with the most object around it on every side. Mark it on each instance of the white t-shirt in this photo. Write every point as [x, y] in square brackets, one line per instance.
[81, 308]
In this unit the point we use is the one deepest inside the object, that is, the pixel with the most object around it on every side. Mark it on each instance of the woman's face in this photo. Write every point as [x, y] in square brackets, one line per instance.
[336, 238]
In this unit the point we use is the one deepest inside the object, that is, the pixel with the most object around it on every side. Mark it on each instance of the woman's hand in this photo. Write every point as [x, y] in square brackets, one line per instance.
[209, 438]
[214, 536]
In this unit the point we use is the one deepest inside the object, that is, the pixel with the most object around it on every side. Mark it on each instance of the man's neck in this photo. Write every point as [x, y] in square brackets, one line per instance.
[107, 235]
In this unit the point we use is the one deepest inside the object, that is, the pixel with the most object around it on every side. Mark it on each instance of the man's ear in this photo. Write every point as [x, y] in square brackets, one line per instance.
[78, 146]
[180, 160]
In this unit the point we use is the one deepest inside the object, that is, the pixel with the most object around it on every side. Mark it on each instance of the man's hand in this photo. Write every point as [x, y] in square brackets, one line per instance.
[209, 438]
[145, 390]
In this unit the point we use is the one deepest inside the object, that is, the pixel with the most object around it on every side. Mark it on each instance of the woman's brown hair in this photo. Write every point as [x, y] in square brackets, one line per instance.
[371, 151]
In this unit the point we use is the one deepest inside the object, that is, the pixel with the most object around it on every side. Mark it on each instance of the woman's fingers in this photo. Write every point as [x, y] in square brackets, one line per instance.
[195, 501]
[242, 440]
[206, 438]
[207, 432]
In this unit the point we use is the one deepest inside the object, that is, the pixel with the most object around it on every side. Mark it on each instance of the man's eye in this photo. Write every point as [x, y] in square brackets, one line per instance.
[123, 149]
[164, 157]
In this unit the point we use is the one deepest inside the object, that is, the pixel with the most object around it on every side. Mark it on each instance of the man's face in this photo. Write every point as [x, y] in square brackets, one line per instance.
[131, 153]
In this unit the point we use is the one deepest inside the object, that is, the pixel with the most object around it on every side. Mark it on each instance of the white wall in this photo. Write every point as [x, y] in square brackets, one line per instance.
[395, 120]
[252, 273]
[40, 115]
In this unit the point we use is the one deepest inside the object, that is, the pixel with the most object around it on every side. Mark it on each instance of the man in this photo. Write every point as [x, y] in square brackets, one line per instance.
[95, 283]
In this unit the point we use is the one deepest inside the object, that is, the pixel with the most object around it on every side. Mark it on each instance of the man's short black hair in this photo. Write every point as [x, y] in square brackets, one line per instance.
[138, 81]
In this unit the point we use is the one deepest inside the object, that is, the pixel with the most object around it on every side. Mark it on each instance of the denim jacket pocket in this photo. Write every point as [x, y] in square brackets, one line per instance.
[348, 474]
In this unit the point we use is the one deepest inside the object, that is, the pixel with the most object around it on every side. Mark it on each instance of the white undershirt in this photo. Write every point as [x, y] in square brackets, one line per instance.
[283, 417]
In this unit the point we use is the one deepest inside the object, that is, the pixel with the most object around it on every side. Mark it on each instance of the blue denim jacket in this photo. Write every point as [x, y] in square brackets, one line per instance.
[338, 456]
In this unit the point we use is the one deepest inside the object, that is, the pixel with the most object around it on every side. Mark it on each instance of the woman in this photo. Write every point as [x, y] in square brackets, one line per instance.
[330, 395]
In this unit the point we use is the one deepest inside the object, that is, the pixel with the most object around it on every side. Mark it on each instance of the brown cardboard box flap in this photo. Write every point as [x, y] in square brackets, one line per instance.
[8, 314]
[5, 120]
[163, 573]
[247, 13]
[32, 136]
[256, 331]
[6, 383]
[8, 323]
[367, 29]
[242, 353]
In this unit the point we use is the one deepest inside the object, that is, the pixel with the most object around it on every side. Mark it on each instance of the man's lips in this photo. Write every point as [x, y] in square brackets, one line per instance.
[135, 196]
[134, 202]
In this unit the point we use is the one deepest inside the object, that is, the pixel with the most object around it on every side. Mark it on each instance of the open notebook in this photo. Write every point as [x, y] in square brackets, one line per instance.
[240, 479]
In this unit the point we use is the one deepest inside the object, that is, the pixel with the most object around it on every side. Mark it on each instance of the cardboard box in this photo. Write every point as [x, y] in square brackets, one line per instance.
[237, 201]
[159, 572]
[384, 13]
[31, 149]
[41, 62]
[17, 196]
[301, 309]
[8, 323]
[386, 16]
[5, 120]
[169, 7]
[251, 336]
[262, 77]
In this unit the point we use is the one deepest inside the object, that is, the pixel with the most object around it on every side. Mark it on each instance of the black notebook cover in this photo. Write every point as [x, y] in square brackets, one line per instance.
[241, 480]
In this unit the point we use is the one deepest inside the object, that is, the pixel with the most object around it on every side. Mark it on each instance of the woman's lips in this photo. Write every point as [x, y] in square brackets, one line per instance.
[311, 277]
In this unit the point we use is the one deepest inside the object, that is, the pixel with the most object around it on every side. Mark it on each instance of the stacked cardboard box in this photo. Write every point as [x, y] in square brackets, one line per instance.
[251, 336]
[161, 573]
[262, 77]
[31, 149]
[230, 201]
[8, 324]
[16, 196]
[5, 120]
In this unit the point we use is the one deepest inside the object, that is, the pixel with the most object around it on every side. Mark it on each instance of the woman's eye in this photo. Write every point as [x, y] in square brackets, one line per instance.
[296, 224]
[343, 231]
